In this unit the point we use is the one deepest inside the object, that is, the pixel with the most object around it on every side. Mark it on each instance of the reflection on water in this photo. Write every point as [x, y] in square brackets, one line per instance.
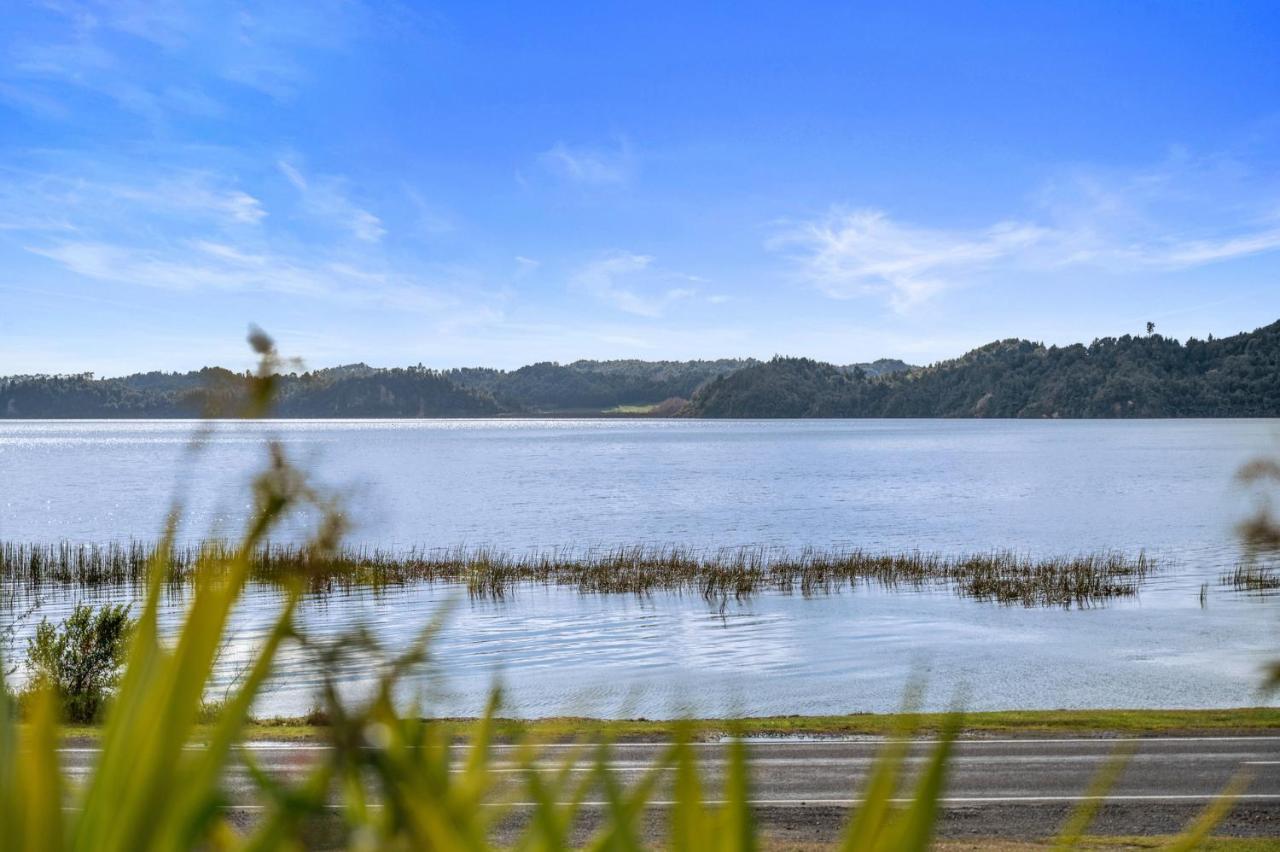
[557, 652]
[1043, 488]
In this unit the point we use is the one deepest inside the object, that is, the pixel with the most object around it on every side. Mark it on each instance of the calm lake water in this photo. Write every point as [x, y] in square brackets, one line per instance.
[1043, 488]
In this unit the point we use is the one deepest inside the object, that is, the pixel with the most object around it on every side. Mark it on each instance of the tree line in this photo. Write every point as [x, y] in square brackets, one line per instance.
[1129, 376]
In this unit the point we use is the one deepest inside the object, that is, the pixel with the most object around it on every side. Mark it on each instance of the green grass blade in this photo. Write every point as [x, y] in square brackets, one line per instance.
[42, 776]
[1082, 817]
[913, 828]
[872, 812]
[738, 832]
[1198, 832]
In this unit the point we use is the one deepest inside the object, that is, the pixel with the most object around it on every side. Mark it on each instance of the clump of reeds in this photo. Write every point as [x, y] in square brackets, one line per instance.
[1002, 576]
[1261, 578]
[1079, 580]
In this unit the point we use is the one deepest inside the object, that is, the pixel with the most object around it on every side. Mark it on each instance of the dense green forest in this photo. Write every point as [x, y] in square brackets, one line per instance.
[355, 391]
[1150, 376]
[358, 390]
[593, 385]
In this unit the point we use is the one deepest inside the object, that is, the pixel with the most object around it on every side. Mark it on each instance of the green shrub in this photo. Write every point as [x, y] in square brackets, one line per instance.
[80, 658]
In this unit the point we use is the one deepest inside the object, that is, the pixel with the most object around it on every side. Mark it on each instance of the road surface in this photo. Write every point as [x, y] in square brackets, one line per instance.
[1014, 787]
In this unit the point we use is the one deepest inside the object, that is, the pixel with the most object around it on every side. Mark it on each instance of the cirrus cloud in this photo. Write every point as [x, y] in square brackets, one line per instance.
[624, 281]
[1182, 214]
[864, 252]
[590, 166]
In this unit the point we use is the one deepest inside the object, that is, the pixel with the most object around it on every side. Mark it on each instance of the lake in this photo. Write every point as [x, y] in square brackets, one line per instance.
[1039, 487]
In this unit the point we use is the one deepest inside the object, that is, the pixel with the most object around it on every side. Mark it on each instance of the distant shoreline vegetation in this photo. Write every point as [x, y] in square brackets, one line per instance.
[1003, 577]
[1151, 376]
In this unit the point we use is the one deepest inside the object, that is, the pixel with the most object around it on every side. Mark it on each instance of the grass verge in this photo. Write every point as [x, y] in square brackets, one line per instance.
[1212, 844]
[1101, 723]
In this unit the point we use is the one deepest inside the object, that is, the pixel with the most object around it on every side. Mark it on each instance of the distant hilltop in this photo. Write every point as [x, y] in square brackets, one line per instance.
[1151, 376]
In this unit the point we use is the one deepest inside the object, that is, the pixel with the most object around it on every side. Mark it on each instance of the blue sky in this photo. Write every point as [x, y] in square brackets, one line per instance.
[461, 184]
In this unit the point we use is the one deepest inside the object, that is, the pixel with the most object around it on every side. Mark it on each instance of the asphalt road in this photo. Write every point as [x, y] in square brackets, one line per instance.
[999, 787]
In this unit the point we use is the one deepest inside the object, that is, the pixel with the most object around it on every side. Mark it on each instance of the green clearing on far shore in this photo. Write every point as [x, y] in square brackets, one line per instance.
[646, 408]
[1101, 723]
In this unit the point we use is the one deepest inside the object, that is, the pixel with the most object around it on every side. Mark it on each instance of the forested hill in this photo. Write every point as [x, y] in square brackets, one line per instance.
[1151, 376]
[1148, 376]
[357, 390]
[594, 386]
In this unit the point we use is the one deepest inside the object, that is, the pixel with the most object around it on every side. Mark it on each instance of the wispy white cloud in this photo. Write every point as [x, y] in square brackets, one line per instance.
[160, 57]
[625, 281]
[80, 198]
[207, 265]
[864, 252]
[196, 194]
[432, 219]
[1163, 219]
[1182, 212]
[326, 199]
[188, 231]
[1198, 252]
[588, 165]
[165, 23]
[37, 103]
[293, 175]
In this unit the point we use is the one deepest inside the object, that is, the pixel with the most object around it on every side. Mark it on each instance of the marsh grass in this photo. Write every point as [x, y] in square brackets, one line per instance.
[1002, 576]
[1253, 577]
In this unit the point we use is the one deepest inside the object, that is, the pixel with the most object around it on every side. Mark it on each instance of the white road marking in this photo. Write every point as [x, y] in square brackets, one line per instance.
[282, 746]
[947, 800]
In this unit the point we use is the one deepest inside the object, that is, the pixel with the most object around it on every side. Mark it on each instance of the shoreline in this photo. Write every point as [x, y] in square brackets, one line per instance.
[1102, 724]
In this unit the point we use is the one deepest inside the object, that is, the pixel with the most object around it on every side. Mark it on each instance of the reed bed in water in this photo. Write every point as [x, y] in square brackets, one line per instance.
[1002, 576]
[1253, 577]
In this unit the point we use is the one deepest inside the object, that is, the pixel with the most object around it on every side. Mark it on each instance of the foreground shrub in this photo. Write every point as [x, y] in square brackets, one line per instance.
[80, 658]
